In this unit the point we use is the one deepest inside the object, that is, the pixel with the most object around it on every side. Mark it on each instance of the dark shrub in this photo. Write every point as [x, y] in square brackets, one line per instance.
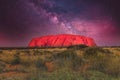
[113, 66]
[1, 51]
[101, 61]
[16, 59]
[69, 57]
[77, 46]
[94, 51]
[39, 63]
[77, 62]
[90, 52]
[68, 54]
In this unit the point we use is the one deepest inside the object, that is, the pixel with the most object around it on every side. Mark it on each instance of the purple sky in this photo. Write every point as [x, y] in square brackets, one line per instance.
[22, 20]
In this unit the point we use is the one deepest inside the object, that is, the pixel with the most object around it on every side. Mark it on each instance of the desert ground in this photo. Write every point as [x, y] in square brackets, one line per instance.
[60, 63]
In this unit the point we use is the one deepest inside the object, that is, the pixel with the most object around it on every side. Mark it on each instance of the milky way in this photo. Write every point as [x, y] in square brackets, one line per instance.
[21, 20]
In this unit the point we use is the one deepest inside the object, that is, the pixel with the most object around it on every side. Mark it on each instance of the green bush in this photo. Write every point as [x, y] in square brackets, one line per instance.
[16, 59]
[113, 66]
[1, 67]
[40, 63]
[77, 62]
[96, 57]
[69, 58]
[95, 52]
[76, 47]
[102, 60]
[68, 54]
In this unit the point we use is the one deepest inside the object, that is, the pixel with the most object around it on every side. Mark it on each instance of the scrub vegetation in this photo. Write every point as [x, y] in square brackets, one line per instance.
[77, 62]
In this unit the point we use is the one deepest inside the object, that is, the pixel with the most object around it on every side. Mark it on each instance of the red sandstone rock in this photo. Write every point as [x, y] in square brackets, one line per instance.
[61, 40]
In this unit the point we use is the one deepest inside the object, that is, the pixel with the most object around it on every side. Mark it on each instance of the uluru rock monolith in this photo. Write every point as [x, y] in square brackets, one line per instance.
[61, 40]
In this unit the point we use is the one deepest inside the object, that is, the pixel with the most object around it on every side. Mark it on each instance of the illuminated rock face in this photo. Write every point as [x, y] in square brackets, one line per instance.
[61, 40]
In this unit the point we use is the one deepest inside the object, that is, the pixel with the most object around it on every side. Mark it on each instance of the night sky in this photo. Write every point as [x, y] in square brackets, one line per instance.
[22, 20]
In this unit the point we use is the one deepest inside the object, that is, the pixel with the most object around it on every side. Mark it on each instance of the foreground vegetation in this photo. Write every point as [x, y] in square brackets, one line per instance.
[73, 63]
